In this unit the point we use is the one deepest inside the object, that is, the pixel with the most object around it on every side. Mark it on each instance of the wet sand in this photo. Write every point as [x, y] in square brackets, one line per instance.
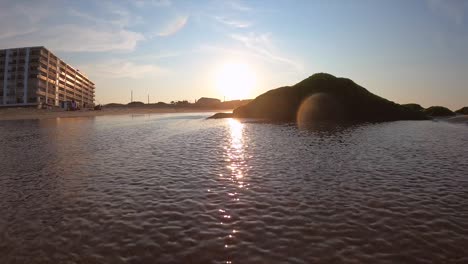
[32, 113]
[459, 119]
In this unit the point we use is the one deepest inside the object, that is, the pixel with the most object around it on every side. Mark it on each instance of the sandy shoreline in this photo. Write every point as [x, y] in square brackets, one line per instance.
[458, 119]
[30, 113]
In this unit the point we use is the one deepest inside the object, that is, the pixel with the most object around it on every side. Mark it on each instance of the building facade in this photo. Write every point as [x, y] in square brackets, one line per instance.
[35, 76]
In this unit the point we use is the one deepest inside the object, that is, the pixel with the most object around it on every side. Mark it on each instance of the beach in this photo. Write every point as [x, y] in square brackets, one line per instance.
[459, 119]
[32, 113]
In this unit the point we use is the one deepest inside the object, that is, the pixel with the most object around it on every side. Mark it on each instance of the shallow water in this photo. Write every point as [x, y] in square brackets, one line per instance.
[178, 188]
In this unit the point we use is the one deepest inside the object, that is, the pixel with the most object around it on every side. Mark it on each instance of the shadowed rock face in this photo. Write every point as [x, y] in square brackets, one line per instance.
[325, 97]
[319, 107]
[438, 111]
[221, 115]
[415, 107]
[462, 111]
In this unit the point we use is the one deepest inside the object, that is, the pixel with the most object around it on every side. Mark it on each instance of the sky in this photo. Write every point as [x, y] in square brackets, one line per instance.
[405, 51]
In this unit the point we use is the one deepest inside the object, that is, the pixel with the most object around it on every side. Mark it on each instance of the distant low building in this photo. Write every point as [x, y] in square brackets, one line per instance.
[34, 76]
[204, 101]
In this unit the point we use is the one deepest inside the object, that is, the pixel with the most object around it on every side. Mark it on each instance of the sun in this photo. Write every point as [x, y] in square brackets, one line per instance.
[235, 80]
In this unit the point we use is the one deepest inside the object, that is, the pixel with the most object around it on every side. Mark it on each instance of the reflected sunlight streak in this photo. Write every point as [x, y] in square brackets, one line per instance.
[235, 156]
[236, 150]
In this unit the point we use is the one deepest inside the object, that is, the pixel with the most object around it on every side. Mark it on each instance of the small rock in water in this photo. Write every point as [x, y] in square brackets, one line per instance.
[221, 115]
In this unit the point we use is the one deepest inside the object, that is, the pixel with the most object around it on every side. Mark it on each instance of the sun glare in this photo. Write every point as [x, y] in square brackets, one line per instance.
[235, 80]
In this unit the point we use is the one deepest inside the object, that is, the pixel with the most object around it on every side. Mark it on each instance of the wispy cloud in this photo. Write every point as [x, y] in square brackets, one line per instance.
[453, 9]
[174, 26]
[233, 23]
[75, 38]
[239, 6]
[83, 32]
[262, 45]
[116, 69]
[159, 56]
[157, 3]
[79, 39]
[21, 19]
[120, 18]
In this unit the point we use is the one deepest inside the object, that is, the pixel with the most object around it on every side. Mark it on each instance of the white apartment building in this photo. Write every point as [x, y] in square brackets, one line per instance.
[34, 75]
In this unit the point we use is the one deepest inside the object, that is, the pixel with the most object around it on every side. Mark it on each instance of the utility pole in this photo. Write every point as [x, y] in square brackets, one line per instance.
[131, 96]
[148, 98]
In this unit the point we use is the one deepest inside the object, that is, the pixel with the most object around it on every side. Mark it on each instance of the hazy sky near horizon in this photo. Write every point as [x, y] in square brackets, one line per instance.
[405, 51]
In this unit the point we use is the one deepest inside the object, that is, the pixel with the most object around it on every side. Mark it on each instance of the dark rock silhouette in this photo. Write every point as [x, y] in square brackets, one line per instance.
[214, 103]
[325, 97]
[204, 101]
[221, 115]
[415, 107]
[232, 104]
[435, 111]
[114, 105]
[161, 104]
[136, 103]
[462, 111]
[202, 104]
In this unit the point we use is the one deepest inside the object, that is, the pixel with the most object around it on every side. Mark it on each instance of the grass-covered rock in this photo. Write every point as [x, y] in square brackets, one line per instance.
[436, 111]
[462, 111]
[415, 107]
[325, 97]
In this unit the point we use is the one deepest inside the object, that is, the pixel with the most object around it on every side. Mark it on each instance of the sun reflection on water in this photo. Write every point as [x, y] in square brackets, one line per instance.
[235, 152]
[236, 165]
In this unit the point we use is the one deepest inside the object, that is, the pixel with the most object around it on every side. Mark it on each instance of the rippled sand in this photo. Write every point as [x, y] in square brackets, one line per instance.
[177, 188]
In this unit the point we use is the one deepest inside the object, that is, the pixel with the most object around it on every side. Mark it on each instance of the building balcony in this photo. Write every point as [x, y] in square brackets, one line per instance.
[34, 53]
[39, 92]
[43, 52]
[41, 68]
[33, 63]
[41, 85]
[43, 60]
